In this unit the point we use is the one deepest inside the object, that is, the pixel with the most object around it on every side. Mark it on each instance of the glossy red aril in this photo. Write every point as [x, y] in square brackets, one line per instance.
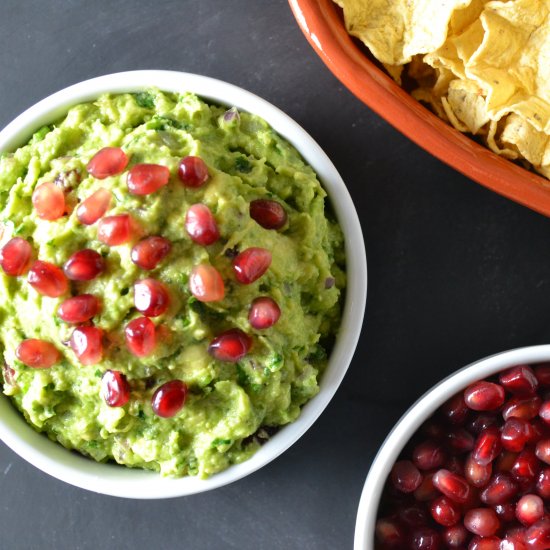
[413, 516]
[482, 521]
[455, 536]
[477, 474]
[542, 373]
[484, 396]
[425, 538]
[78, 309]
[543, 483]
[268, 213]
[15, 256]
[529, 508]
[264, 313]
[84, 265]
[151, 297]
[140, 336]
[144, 179]
[426, 490]
[149, 252]
[192, 171]
[501, 489]
[452, 485]
[231, 345]
[87, 344]
[115, 389]
[543, 450]
[428, 455]
[520, 380]
[515, 434]
[37, 354]
[48, 201]
[169, 398]
[506, 512]
[206, 283]
[94, 207]
[47, 279]
[251, 264]
[518, 407]
[107, 162]
[460, 440]
[115, 230]
[455, 410]
[537, 536]
[405, 476]
[483, 421]
[487, 446]
[390, 534]
[201, 225]
[525, 466]
[544, 412]
[505, 461]
[484, 543]
[445, 511]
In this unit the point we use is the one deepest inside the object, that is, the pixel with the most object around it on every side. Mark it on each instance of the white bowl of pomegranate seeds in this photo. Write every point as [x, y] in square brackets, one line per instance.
[102, 195]
[476, 472]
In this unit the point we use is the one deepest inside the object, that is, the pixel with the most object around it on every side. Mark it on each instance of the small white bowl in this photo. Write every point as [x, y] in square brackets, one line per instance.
[116, 480]
[414, 418]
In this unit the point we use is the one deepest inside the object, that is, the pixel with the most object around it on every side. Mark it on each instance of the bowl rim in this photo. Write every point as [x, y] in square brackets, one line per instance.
[321, 23]
[412, 419]
[116, 480]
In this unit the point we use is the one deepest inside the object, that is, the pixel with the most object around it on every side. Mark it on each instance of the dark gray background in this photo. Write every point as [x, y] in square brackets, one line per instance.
[455, 272]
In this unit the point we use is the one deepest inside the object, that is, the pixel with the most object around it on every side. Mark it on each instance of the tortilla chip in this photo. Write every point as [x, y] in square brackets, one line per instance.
[468, 105]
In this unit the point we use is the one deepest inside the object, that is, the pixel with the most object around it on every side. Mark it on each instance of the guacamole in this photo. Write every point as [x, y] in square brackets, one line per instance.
[231, 406]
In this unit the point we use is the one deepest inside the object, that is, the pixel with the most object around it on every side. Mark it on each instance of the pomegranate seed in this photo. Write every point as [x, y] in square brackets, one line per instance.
[543, 450]
[428, 455]
[500, 490]
[445, 511]
[526, 465]
[144, 179]
[452, 485]
[425, 538]
[231, 345]
[529, 508]
[267, 213]
[455, 410]
[264, 313]
[115, 388]
[487, 446]
[84, 265]
[455, 464]
[37, 354]
[206, 283]
[115, 230]
[87, 344]
[151, 297]
[542, 373]
[405, 476]
[9, 375]
[514, 540]
[544, 412]
[515, 434]
[48, 201]
[460, 440]
[193, 171]
[537, 536]
[390, 533]
[169, 398]
[426, 490]
[520, 380]
[15, 256]
[477, 474]
[94, 207]
[108, 161]
[455, 536]
[505, 462]
[518, 407]
[78, 309]
[484, 543]
[434, 430]
[506, 512]
[140, 336]
[482, 522]
[413, 516]
[484, 396]
[483, 421]
[251, 264]
[543, 483]
[149, 252]
[201, 225]
[47, 279]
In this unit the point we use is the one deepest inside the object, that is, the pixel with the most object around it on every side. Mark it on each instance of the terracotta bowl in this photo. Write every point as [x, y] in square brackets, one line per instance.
[323, 25]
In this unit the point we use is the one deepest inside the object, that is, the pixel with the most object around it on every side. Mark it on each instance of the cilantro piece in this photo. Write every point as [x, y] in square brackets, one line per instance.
[242, 164]
[145, 100]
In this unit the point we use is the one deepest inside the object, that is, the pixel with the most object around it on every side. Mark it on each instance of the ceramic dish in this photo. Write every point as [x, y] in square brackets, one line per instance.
[117, 480]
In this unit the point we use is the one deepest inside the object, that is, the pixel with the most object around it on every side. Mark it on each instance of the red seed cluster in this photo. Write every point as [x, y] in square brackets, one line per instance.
[476, 476]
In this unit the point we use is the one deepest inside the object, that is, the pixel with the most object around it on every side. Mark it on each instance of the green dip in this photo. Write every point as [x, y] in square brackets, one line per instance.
[231, 408]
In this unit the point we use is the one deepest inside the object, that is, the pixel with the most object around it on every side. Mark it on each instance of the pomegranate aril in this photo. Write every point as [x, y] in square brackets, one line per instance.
[477, 474]
[115, 230]
[78, 309]
[537, 536]
[483, 421]
[445, 512]
[413, 516]
[512, 544]
[169, 398]
[455, 537]
[405, 476]
[455, 410]
[428, 455]
[201, 225]
[144, 179]
[454, 464]
[543, 483]
[544, 412]
[48, 201]
[264, 313]
[426, 490]
[452, 485]
[505, 462]
[542, 373]
[506, 512]
[484, 543]
[251, 264]
[390, 534]
[84, 265]
[115, 389]
[149, 252]
[94, 207]
[501, 489]
[231, 345]
[484, 396]
[487, 446]
[151, 297]
[140, 336]
[425, 538]
[519, 380]
[526, 465]
[529, 509]
[107, 162]
[206, 283]
[483, 522]
[434, 430]
[47, 279]
[460, 440]
[37, 354]
[192, 171]
[87, 344]
[515, 434]
[543, 450]
[15, 256]
[268, 213]
[518, 407]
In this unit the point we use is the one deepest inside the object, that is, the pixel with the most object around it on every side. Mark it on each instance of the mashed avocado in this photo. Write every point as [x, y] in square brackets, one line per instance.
[231, 407]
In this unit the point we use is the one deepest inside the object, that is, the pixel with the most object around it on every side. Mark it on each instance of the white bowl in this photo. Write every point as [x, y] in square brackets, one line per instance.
[413, 419]
[118, 480]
